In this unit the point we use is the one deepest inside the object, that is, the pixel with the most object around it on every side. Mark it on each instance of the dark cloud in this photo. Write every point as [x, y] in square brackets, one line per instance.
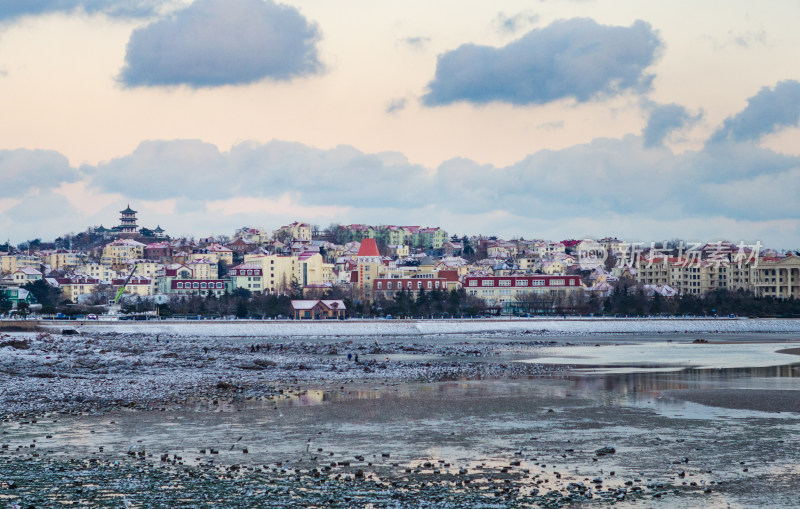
[11, 9]
[22, 170]
[769, 111]
[513, 24]
[663, 119]
[575, 58]
[222, 42]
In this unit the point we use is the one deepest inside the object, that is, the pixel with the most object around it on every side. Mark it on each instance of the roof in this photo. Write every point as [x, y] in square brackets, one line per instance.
[368, 248]
[128, 210]
[301, 305]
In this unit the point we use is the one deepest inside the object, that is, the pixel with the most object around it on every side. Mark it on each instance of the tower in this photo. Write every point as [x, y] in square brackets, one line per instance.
[127, 222]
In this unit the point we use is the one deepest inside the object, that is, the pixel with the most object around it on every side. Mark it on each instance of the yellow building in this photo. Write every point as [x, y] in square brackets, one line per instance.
[144, 268]
[309, 269]
[221, 252]
[11, 263]
[297, 231]
[118, 253]
[61, 259]
[136, 287]
[76, 287]
[203, 269]
[279, 272]
[97, 271]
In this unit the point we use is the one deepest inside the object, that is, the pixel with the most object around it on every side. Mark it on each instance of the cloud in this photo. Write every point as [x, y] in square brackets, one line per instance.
[165, 169]
[663, 119]
[769, 111]
[575, 58]
[23, 170]
[12, 9]
[222, 42]
[396, 105]
[416, 43]
[512, 24]
[198, 171]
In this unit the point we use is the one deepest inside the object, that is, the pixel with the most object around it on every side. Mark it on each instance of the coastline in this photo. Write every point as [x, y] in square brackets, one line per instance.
[358, 327]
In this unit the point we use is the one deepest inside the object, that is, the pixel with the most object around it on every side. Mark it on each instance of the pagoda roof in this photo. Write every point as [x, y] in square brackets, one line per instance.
[158, 229]
[128, 210]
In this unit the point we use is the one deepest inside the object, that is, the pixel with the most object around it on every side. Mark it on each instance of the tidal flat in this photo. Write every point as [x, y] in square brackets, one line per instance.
[136, 418]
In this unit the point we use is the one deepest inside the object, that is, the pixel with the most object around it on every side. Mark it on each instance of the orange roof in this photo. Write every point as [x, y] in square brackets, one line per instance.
[368, 248]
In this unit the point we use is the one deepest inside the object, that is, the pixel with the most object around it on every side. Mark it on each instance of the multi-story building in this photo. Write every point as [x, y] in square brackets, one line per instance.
[510, 292]
[296, 231]
[61, 258]
[10, 263]
[97, 271]
[247, 276]
[118, 253]
[386, 287]
[278, 272]
[77, 288]
[136, 286]
[778, 277]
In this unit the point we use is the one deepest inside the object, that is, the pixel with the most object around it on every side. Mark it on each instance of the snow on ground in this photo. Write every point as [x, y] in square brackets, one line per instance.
[545, 327]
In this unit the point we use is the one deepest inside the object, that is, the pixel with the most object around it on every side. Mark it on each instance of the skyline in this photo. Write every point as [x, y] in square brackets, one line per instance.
[554, 120]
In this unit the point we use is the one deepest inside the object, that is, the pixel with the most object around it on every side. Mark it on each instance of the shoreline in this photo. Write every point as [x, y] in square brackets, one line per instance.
[581, 326]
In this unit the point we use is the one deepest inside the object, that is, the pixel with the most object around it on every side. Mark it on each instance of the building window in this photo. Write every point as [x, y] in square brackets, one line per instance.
[487, 282]
[180, 285]
[521, 282]
[219, 285]
[505, 282]
[202, 285]
[389, 285]
[380, 285]
[537, 282]
[473, 282]
[195, 285]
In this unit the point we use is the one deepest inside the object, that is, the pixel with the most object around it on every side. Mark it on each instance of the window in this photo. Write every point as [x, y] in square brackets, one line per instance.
[487, 282]
[505, 282]
[180, 285]
[219, 285]
[419, 284]
[380, 285]
[437, 285]
[537, 282]
[195, 285]
[473, 282]
[521, 282]
[249, 272]
[389, 285]
[430, 285]
[202, 285]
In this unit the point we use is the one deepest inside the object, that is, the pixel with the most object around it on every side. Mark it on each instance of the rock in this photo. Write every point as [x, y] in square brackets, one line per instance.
[605, 450]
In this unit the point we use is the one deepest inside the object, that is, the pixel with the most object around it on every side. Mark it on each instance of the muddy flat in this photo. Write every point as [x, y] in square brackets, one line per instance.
[171, 420]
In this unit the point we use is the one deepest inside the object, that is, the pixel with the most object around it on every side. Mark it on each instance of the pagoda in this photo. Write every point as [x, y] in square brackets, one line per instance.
[127, 222]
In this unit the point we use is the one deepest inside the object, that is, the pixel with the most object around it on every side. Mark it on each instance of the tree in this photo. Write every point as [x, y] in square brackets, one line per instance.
[241, 309]
[23, 309]
[45, 295]
[5, 302]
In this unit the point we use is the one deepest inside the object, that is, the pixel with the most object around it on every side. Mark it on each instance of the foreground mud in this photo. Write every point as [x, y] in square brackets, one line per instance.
[179, 421]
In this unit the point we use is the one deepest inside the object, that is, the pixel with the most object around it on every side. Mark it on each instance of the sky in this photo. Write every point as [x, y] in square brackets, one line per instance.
[553, 119]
